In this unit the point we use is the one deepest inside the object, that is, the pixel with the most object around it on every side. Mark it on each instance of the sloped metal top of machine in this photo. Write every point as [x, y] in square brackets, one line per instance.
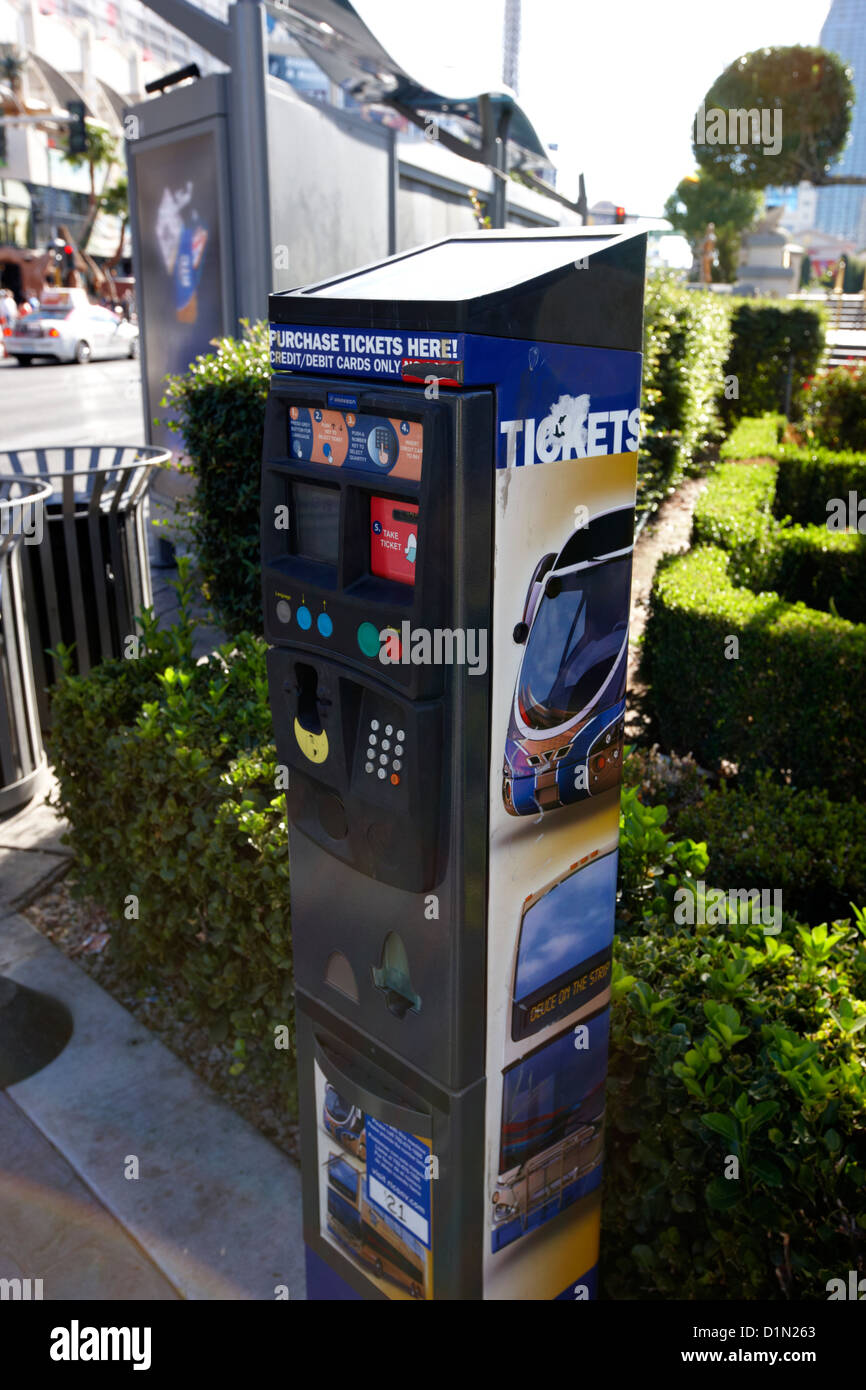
[576, 285]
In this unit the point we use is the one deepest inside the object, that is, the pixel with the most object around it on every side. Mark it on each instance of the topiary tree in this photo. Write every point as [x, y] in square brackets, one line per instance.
[813, 92]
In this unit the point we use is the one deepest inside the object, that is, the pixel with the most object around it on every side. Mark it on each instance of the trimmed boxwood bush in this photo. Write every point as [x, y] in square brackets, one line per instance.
[219, 408]
[776, 837]
[166, 775]
[810, 564]
[809, 477]
[754, 437]
[792, 700]
[769, 340]
[726, 1043]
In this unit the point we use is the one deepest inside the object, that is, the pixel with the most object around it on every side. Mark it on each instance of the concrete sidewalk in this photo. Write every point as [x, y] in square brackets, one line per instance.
[214, 1211]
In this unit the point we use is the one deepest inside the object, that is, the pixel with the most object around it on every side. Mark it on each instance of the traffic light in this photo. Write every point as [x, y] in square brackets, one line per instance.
[619, 216]
[77, 128]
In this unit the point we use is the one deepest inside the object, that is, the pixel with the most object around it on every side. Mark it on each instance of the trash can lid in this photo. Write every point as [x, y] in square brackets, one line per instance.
[95, 470]
[56, 461]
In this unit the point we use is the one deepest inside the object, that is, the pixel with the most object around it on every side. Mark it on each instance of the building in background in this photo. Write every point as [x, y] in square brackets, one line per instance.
[842, 210]
[800, 205]
[511, 45]
[770, 259]
[288, 61]
[102, 52]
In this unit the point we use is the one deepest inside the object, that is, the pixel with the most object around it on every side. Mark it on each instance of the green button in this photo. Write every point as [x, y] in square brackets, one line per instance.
[368, 639]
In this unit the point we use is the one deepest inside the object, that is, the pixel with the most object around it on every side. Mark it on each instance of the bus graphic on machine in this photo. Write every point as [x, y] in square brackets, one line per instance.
[565, 734]
[562, 959]
[368, 1234]
[345, 1123]
[551, 1137]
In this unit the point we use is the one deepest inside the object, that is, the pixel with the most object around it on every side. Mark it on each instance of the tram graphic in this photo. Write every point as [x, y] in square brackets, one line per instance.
[565, 733]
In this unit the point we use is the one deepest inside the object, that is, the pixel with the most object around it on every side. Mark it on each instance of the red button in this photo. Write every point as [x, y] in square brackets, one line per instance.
[395, 780]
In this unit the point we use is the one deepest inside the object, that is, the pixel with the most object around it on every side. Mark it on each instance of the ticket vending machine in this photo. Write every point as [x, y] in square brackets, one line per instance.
[448, 494]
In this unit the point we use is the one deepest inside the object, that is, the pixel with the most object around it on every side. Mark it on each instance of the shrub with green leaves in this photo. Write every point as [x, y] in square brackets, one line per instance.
[166, 775]
[789, 702]
[774, 836]
[219, 408]
[735, 1161]
[835, 406]
[803, 563]
[686, 342]
[774, 347]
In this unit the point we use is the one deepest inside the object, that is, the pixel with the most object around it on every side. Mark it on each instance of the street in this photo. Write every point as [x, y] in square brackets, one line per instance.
[56, 403]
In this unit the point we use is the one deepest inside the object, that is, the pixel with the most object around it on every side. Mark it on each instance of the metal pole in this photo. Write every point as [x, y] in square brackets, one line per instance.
[248, 125]
[393, 193]
[494, 137]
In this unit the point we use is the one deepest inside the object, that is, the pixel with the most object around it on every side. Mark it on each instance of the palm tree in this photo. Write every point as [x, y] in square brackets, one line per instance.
[12, 66]
[115, 202]
[100, 150]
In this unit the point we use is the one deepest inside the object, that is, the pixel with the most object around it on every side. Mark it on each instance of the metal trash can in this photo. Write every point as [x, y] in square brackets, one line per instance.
[90, 576]
[22, 757]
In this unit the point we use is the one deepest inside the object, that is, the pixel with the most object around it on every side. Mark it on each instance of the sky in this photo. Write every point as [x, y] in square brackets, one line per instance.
[615, 83]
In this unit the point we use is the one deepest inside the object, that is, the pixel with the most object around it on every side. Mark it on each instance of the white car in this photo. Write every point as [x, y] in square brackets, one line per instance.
[73, 332]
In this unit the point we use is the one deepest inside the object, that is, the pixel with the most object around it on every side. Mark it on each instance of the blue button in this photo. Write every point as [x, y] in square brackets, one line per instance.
[305, 618]
[324, 624]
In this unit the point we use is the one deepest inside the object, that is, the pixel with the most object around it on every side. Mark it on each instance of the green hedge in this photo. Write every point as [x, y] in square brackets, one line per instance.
[735, 512]
[219, 407]
[775, 836]
[166, 775]
[810, 564]
[731, 1043]
[686, 343]
[790, 703]
[810, 477]
[768, 340]
[754, 437]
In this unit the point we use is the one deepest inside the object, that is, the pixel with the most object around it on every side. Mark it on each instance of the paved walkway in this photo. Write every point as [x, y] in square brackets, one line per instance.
[122, 1176]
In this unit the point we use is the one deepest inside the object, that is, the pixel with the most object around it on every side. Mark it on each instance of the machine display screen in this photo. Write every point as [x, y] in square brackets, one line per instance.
[316, 512]
[378, 444]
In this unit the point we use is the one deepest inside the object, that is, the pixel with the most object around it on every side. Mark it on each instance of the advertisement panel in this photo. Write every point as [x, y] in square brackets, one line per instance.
[178, 260]
[376, 1203]
[565, 482]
